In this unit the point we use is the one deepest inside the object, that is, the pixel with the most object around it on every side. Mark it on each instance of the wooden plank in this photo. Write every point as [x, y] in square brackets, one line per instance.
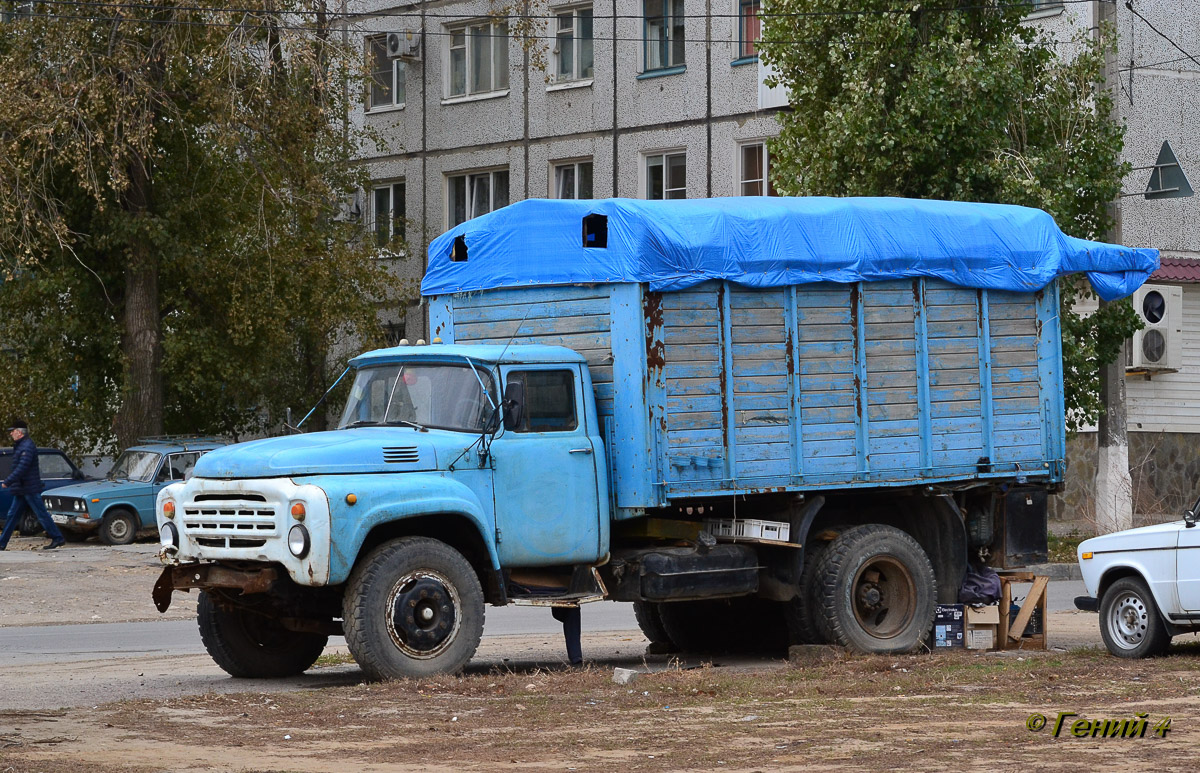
[813, 332]
[674, 336]
[945, 377]
[690, 317]
[761, 385]
[821, 432]
[680, 422]
[765, 334]
[892, 412]
[692, 386]
[754, 317]
[756, 299]
[756, 452]
[759, 368]
[773, 433]
[694, 404]
[692, 353]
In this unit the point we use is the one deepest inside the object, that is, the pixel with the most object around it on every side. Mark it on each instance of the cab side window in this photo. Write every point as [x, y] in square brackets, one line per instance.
[549, 400]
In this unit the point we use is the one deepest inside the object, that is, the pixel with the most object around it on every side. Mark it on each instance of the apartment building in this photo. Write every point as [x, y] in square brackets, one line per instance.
[633, 98]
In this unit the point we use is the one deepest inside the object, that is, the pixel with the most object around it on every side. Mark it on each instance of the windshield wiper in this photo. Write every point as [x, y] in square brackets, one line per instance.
[406, 423]
[361, 423]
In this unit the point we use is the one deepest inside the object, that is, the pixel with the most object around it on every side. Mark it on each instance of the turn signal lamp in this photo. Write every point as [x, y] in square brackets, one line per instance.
[1086, 555]
[298, 511]
[351, 499]
[169, 509]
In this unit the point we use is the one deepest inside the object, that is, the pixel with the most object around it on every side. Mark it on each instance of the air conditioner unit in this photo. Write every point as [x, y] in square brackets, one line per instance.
[406, 44]
[1158, 346]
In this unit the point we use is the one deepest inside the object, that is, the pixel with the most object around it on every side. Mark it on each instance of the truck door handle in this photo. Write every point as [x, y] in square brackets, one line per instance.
[580, 451]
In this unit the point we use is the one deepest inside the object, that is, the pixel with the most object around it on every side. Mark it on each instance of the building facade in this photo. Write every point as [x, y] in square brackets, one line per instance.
[630, 98]
[1155, 80]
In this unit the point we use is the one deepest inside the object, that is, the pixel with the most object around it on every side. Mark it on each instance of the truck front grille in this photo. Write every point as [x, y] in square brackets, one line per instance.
[230, 525]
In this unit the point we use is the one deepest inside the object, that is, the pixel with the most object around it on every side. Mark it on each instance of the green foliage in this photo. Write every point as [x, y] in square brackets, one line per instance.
[956, 101]
[208, 148]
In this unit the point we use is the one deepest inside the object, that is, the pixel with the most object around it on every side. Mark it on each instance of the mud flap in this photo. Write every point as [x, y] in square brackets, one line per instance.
[162, 590]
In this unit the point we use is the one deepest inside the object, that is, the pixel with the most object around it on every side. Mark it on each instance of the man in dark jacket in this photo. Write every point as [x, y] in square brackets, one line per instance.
[25, 483]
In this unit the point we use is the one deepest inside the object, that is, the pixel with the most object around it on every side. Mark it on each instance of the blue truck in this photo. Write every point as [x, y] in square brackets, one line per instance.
[758, 420]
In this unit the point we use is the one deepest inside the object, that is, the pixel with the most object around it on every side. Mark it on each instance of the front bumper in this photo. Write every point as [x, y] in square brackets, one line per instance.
[1087, 603]
[74, 522]
[247, 520]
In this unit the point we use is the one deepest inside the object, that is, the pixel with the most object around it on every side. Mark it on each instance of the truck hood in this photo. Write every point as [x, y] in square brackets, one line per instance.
[366, 449]
[1159, 536]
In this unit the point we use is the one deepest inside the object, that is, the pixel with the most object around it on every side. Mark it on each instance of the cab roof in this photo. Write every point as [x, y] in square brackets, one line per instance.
[488, 354]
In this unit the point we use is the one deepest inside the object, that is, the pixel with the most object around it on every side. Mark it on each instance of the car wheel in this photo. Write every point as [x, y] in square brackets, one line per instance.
[29, 525]
[119, 527]
[1130, 623]
[413, 608]
[877, 591]
[247, 645]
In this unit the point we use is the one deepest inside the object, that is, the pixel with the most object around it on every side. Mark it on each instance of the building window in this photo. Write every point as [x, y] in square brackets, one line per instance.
[387, 76]
[1042, 5]
[754, 164]
[664, 34]
[666, 176]
[750, 28]
[475, 194]
[573, 180]
[11, 10]
[393, 333]
[387, 213]
[478, 59]
[573, 45]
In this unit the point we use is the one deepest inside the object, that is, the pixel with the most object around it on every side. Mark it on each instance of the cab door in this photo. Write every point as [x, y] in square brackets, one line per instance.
[544, 471]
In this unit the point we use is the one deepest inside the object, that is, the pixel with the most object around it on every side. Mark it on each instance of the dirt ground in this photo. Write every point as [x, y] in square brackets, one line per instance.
[823, 710]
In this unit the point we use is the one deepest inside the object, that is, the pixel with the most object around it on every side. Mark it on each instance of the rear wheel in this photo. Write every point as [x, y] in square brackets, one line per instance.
[876, 591]
[119, 527]
[649, 620]
[801, 612]
[252, 646]
[413, 608]
[1129, 621]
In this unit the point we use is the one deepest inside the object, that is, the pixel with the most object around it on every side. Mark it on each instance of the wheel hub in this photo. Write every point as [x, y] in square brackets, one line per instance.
[869, 596]
[423, 615]
[1128, 621]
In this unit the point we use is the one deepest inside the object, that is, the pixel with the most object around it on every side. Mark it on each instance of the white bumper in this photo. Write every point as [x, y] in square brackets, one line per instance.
[247, 520]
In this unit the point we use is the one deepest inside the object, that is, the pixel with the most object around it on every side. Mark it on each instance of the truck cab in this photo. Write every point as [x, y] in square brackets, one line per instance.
[494, 451]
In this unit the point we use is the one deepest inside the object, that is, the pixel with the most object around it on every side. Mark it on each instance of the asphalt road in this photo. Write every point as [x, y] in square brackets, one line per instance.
[34, 645]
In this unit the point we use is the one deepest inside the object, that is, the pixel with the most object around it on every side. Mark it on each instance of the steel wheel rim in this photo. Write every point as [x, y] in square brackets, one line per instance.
[423, 614]
[1128, 620]
[119, 528]
[884, 597]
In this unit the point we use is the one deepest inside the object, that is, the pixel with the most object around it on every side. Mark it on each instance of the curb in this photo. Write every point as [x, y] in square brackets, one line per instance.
[1056, 571]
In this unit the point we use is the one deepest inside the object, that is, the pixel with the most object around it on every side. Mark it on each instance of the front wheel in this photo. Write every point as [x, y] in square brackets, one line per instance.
[413, 608]
[252, 646]
[1130, 623]
[119, 528]
[877, 591]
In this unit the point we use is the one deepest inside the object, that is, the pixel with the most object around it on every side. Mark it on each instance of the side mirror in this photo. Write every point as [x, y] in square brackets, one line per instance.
[514, 404]
[1189, 518]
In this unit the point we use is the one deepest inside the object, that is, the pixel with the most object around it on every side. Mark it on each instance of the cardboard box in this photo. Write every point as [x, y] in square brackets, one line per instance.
[981, 637]
[948, 626]
[983, 615]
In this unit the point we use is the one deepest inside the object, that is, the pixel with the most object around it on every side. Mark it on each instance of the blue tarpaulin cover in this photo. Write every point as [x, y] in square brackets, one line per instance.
[776, 241]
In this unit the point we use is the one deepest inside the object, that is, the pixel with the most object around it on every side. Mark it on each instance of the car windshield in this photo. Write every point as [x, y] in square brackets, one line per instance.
[135, 465]
[454, 397]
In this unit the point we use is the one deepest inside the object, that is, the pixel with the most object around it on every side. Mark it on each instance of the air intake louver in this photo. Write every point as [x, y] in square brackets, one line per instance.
[400, 454]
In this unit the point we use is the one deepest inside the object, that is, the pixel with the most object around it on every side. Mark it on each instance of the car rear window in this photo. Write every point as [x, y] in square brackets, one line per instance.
[54, 465]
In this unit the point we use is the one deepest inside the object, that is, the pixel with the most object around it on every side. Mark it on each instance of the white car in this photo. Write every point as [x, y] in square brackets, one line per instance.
[1145, 583]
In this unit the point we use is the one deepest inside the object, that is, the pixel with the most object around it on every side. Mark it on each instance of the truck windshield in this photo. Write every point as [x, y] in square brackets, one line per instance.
[135, 465]
[427, 394]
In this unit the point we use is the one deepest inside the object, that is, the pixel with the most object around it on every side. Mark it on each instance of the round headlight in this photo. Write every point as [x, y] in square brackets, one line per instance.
[298, 541]
[168, 536]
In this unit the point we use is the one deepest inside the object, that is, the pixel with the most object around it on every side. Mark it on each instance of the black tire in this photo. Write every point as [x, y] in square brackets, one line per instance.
[1130, 623]
[119, 527]
[877, 591]
[442, 604]
[744, 624]
[649, 620]
[247, 645]
[29, 525]
[801, 612]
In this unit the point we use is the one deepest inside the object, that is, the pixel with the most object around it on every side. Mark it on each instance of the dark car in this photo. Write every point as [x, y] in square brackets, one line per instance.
[57, 471]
